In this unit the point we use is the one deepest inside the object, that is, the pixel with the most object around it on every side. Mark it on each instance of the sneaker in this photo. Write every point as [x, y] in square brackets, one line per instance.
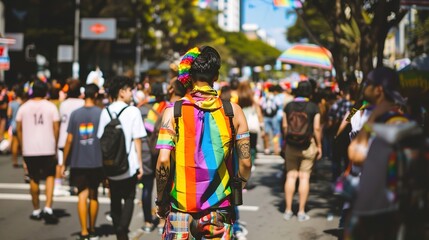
[50, 218]
[36, 217]
[26, 178]
[288, 215]
[303, 217]
[109, 217]
[93, 236]
[147, 228]
[83, 237]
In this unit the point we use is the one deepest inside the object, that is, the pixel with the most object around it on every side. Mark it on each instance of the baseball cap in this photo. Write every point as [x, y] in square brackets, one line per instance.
[389, 80]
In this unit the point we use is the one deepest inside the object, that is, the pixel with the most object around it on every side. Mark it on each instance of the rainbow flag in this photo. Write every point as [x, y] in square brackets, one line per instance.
[202, 171]
[288, 3]
[152, 117]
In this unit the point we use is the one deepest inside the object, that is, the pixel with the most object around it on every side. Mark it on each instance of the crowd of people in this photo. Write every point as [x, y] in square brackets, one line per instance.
[185, 135]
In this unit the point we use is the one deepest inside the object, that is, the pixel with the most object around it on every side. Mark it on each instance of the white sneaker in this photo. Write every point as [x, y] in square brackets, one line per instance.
[288, 215]
[303, 217]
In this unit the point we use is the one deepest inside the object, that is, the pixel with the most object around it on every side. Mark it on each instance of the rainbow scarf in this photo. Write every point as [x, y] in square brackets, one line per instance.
[202, 163]
[152, 117]
[185, 66]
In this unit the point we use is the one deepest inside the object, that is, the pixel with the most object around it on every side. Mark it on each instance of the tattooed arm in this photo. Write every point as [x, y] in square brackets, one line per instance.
[163, 168]
[243, 143]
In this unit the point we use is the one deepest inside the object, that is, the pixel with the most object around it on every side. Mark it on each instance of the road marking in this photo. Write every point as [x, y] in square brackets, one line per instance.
[101, 200]
[248, 208]
[67, 199]
[260, 161]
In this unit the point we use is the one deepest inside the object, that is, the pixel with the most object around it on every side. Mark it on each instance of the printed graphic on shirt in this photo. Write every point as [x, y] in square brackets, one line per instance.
[86, 133]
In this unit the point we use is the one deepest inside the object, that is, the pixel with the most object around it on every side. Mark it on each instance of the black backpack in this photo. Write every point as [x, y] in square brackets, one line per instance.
[269, 107]
[298, 130]
[113, 147]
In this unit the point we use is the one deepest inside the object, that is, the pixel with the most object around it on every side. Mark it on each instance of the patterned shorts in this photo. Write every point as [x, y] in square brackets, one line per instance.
[214, 225]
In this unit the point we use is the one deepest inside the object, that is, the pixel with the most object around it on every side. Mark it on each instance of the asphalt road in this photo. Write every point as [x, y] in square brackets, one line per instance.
[262, 210]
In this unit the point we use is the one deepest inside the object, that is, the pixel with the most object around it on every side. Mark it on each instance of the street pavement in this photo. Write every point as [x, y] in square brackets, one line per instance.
[261, 213]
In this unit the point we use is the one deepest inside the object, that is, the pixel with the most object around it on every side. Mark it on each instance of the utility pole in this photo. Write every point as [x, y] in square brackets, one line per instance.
[76, 67]
[139, 43]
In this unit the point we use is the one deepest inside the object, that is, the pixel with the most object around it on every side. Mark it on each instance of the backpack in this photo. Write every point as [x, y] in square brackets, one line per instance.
[113, 147]
[269, 106]
[298, 130]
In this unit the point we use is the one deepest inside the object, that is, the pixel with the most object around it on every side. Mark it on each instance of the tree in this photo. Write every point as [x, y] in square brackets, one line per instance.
[372, 18]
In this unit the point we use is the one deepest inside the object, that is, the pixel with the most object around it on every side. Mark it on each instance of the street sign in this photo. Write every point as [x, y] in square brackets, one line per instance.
[4, 58]
[19, 41]
[65, 53]
[98, 28]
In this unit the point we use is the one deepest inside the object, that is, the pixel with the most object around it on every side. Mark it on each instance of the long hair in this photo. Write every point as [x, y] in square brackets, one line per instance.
[245, 95]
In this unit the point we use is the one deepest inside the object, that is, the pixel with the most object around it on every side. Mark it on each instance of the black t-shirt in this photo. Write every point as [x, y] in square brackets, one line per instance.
[309, 107]
[3, 100]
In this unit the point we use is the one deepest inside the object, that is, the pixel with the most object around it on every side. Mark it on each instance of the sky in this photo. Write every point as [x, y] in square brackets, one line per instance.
[274, 20]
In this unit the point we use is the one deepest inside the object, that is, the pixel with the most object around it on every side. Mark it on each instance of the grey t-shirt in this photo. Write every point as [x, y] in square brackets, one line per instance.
[372, 196]
[86, 151]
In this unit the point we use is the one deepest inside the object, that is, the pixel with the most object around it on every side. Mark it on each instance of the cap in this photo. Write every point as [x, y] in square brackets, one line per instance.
[389, 80]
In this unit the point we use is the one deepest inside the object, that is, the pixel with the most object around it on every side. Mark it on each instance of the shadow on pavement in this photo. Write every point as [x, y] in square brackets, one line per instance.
[320, 197]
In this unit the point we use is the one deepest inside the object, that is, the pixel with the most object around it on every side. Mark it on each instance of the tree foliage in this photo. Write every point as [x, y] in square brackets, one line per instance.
[358, 27]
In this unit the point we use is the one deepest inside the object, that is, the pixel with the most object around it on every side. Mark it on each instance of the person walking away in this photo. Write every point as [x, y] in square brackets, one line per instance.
[195, 195]
[82, 147]
[151, 115]
[253, 114]
[11, 114]
[37, 124]
[301, 123]
[340, 141]
[72, 102]
[4, 101]
[270, 107]
[123, 186]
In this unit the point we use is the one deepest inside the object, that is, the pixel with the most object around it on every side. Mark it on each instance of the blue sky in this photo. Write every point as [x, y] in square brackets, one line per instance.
[274, 20]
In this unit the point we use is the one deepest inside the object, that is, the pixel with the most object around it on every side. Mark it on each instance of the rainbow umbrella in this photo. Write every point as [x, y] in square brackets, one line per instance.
[307, 55]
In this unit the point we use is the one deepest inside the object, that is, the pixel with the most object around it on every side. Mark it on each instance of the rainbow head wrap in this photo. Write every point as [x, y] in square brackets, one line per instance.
[185, 66]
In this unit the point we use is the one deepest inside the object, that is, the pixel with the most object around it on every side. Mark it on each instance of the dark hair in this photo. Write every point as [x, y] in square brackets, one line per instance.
[179, 89]
[206, 66]
[74, 88]
[157, 91]
[54, 93]
[40, 89]
[304, 89]
[234, 84]
[91, 91]
[117, 83]
[18, 90]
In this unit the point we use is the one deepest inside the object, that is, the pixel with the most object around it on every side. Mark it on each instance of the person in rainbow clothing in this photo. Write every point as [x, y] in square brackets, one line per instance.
[204, 155]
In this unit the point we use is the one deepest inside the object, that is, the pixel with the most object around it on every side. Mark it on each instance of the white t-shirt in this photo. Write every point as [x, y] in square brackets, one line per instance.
[38, 117]
[132, 125]
[66, 108]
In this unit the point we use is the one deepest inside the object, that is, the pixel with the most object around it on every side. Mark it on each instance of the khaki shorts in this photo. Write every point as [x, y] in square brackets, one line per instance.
[300, 159]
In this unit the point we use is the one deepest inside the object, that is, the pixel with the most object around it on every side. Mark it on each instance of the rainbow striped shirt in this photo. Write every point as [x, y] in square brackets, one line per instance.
[202, 164]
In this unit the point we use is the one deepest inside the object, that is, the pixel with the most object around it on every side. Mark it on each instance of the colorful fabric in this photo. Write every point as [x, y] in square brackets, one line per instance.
[203, 166]
[214, 225]
[152, 117]
[185, 66]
